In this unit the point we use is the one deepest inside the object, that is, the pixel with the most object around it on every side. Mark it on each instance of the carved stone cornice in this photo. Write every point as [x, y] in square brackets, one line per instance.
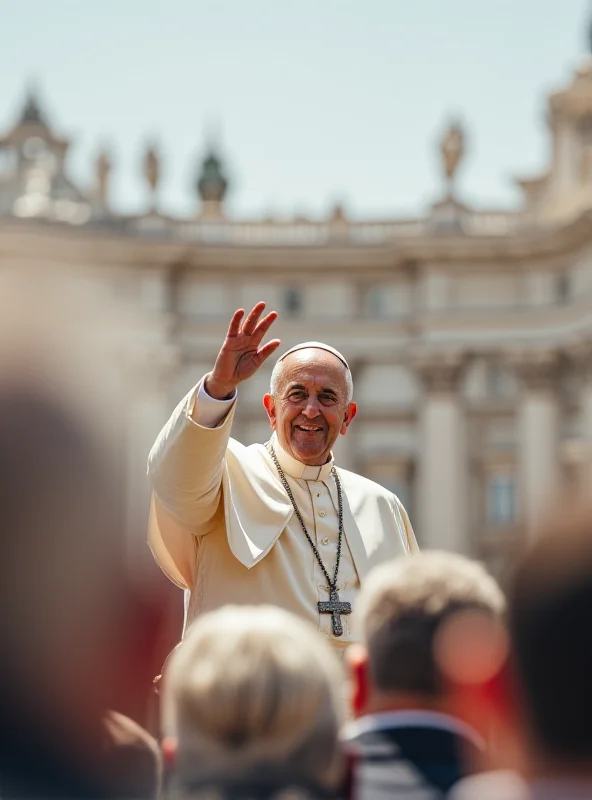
[519, 246]
[537, 370]
[439, 371]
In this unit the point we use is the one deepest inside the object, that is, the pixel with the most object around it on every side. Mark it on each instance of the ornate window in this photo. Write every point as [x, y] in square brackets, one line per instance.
[502, 383]
[293, 302]
[374, 302]
[501, 500]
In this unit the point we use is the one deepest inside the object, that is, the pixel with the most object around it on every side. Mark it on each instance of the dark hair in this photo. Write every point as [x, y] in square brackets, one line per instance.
[550, 620]
[403, 606]
[402, 655]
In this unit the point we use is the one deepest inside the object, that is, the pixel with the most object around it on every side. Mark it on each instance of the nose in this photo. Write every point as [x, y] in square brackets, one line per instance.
[311, 410]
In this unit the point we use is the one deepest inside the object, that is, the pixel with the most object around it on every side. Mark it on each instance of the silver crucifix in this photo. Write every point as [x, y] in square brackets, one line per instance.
[336, 608]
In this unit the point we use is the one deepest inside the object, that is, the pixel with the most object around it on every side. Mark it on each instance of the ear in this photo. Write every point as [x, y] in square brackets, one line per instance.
[356, 657]
[169, 750]
[269, 404]
[350, 413]
[472, 652]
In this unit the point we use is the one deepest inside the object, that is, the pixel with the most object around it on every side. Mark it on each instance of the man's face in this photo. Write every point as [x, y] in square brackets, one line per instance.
[310, 408]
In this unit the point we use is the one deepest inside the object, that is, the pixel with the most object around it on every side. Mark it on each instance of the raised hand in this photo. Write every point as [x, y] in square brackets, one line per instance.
[241, 354]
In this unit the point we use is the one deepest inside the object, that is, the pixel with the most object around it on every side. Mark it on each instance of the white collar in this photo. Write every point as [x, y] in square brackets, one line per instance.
[413, 718]
[296, 469]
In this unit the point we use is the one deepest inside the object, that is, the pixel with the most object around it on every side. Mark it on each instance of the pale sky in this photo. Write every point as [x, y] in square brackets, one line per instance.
[313, 100]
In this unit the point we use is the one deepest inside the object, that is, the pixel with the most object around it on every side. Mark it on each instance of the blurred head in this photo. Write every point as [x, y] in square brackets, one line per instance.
[310, 403]
[69, 617]
[550, 598]
[252, 689]
[78, 618]
[401, 611]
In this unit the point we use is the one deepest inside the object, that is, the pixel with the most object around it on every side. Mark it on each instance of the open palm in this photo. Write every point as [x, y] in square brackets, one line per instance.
[241, 354]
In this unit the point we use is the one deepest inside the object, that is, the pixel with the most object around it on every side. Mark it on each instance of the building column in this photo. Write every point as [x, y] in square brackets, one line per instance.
[442, 513]
[538, 434]
[581, 357]
[587, 417]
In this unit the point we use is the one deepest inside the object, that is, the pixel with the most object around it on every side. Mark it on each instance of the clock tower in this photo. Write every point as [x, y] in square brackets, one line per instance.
[33, 180]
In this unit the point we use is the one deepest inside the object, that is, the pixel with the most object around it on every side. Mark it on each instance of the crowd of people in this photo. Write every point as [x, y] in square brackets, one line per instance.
[451, 687]
[449, 679]
[456, 688]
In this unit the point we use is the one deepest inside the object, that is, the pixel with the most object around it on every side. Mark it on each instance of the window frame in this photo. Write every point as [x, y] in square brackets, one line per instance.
[500, 515]
[296, 309]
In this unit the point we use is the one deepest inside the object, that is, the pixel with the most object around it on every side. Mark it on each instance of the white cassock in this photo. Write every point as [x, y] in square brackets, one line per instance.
[222, 526]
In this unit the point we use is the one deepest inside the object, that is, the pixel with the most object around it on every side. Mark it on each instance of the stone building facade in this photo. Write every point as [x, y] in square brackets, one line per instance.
[469, 332]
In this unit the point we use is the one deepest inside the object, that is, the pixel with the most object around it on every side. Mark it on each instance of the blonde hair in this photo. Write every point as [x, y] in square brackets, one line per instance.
[252, 686]
[402, 605]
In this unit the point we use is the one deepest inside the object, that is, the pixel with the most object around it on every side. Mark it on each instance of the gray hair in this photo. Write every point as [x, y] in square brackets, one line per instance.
[277, 372]
[401, 607]
[254, 686]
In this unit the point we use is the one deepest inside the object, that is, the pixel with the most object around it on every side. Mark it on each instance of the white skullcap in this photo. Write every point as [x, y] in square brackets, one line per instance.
[316, 346]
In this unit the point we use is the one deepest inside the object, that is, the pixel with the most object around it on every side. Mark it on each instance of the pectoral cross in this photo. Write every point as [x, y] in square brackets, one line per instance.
[336, 608]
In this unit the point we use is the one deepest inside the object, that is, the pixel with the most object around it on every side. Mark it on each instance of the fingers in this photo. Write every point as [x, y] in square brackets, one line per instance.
[235, 323]
[264, 325]
[264, 352]
[251, 320]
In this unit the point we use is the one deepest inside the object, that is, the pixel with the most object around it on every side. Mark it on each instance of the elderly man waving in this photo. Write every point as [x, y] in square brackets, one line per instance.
[274, 523]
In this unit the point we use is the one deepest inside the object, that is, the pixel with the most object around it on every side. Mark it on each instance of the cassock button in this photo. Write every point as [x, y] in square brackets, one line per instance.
[321, 513]
[318, 494]
[325, 541]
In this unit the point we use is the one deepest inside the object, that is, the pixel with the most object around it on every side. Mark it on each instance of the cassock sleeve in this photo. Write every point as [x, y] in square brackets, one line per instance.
[185, 471]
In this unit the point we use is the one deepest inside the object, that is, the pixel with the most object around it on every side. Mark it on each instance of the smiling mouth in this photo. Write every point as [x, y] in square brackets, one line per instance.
[309, 428]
